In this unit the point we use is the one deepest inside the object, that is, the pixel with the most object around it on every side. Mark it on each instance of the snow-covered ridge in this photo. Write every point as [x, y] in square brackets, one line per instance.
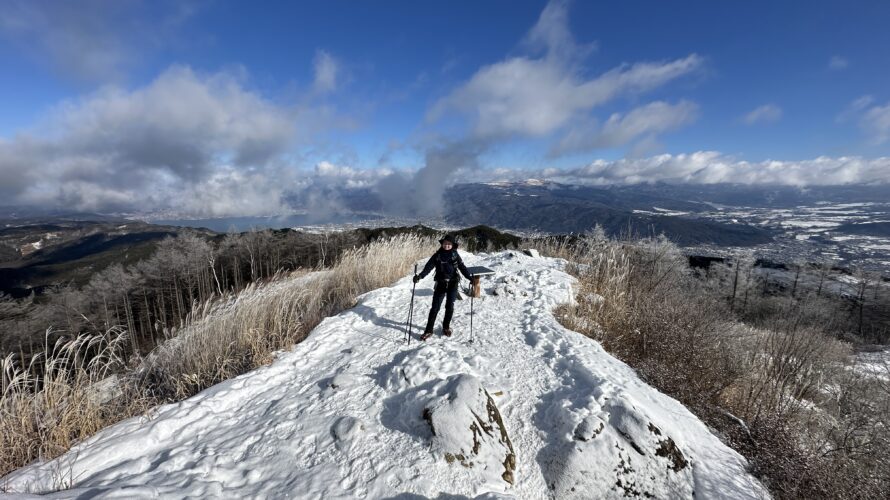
[528, 410]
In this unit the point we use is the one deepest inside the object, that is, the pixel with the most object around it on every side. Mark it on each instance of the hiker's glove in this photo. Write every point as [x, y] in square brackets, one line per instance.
[416, 278]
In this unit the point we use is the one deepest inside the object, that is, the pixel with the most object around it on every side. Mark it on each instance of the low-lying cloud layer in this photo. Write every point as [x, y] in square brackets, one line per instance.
[702, 167]
[710, 167]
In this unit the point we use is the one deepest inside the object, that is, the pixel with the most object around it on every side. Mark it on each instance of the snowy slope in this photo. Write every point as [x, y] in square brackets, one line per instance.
[352, 412]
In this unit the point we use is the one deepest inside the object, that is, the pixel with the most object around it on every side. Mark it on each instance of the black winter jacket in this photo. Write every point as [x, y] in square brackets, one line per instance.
[446, 263]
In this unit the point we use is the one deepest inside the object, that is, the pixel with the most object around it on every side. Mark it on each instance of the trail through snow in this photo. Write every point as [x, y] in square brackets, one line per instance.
[348, 413]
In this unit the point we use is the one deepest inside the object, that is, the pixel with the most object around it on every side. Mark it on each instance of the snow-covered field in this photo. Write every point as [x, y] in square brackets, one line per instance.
[811, 233]
[528, 410]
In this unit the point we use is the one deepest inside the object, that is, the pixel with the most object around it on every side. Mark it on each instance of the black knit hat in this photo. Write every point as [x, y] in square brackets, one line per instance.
[450, 238]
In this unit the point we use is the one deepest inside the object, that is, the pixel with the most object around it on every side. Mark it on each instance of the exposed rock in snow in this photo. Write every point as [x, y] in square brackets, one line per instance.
[624, 455]
[467, 428]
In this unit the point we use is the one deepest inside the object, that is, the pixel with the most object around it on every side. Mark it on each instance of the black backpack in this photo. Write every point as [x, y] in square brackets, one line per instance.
[455, 262]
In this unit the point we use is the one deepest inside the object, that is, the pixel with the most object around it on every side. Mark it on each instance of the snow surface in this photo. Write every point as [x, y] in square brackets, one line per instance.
[348, 412]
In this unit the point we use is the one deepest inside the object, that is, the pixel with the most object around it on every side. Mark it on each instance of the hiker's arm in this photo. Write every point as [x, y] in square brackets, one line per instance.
[463, 268]
[430, 264]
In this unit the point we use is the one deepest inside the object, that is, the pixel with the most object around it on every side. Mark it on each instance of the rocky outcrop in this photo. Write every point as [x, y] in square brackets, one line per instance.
[619, 452]
[467, 428]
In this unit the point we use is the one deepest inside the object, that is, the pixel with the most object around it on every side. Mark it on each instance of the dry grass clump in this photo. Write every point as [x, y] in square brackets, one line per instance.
[61, 397]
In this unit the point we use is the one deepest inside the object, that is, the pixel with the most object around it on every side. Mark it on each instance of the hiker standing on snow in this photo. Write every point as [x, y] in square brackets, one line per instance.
[447, 263]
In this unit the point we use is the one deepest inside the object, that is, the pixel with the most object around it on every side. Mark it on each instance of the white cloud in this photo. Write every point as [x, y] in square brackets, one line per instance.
[645, 121]
[184, 140]
[763, 114]
[326, 72]
[349, 177]
[535, 97]
[838, 63]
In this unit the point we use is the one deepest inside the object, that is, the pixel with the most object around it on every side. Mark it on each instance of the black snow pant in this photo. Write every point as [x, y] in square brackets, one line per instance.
[444, 288]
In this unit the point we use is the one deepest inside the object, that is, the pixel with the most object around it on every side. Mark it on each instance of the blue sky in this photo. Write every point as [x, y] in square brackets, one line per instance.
[373, 87]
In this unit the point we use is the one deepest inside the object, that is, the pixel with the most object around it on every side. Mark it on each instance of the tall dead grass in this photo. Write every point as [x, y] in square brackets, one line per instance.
[61, 397]
[64, 395]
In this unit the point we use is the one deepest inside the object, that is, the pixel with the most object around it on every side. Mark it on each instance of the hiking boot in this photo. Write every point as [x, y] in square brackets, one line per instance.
[446, 332]
[425, 335]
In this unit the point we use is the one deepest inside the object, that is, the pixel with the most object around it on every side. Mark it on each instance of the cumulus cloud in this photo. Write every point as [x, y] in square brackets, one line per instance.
[838, 63]
[538, 96]
[182, 140]
[326, 70]
[92, 40]
[644, 121]
[767, 113]
[530, 97]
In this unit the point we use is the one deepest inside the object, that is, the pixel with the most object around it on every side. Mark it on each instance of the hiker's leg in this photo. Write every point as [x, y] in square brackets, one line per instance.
[438, 295]
[449, 305]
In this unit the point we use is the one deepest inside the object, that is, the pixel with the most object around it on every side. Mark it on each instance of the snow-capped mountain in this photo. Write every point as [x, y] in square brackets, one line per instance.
[527, 409]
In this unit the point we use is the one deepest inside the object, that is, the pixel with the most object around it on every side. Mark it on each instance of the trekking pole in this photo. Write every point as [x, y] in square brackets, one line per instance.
[411, 308]
[472, 295]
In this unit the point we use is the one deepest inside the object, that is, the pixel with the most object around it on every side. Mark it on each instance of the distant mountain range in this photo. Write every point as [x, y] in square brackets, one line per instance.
[747, 195]
[558, 208]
